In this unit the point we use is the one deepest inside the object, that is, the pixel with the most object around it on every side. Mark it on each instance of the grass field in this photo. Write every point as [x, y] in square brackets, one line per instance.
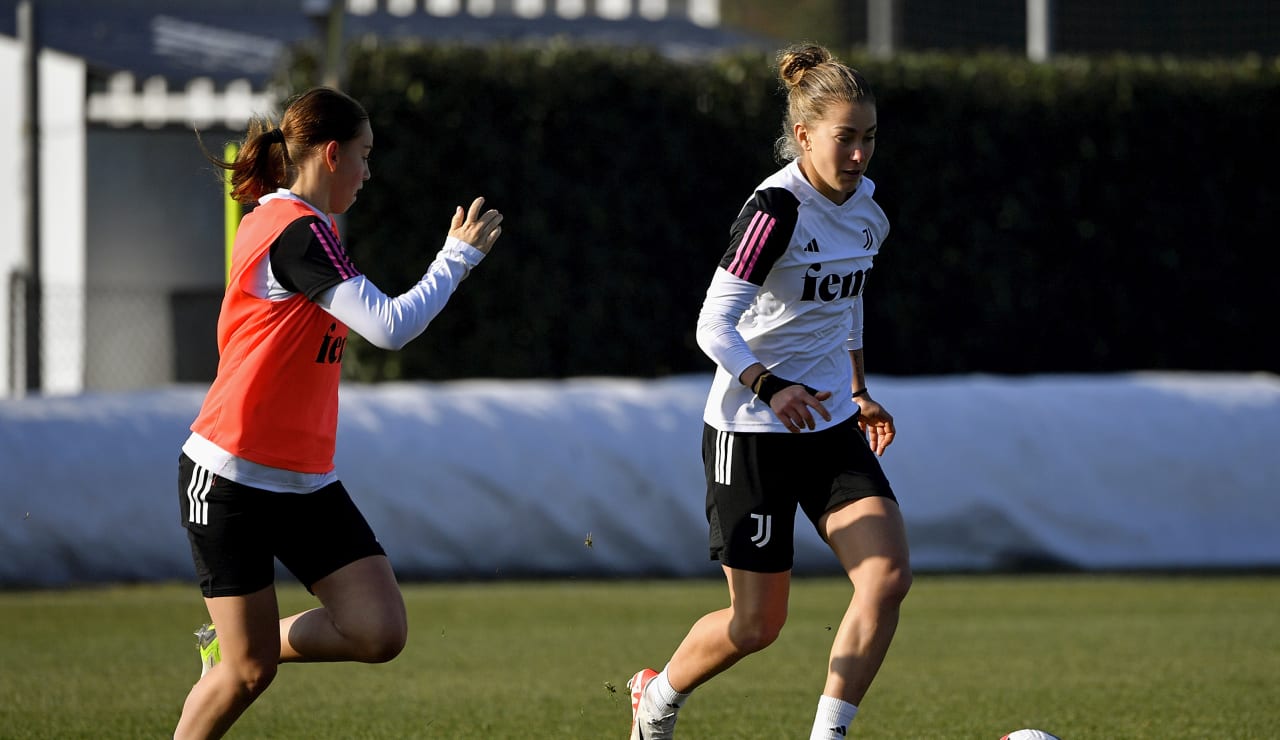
[975, 657]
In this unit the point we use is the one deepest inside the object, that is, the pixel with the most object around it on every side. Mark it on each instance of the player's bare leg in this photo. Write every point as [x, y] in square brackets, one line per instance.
[757, 610]
[362, 617]
[870, 540]
[754, 619]
[249, 638]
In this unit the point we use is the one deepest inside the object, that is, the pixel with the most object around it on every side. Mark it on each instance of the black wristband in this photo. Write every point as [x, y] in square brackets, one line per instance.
[769, 384]
[861, 392]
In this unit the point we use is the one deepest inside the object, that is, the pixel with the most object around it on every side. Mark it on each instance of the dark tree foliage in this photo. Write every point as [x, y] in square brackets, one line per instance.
[1084, 216]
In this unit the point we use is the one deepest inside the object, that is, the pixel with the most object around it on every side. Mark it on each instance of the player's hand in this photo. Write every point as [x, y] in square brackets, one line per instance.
[480, 230]
[792, 405]
[876, 424]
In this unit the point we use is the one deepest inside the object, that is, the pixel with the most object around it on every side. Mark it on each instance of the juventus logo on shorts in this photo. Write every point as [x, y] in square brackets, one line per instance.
[198, 495]
[764, 529]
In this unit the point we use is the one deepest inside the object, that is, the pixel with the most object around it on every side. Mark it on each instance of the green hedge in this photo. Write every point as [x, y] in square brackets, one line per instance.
[1085, 216]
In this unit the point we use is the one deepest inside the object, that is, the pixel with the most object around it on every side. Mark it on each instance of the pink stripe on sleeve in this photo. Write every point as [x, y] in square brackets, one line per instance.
[752, 244]
[755, 252]
[337, 255]
[743, 246]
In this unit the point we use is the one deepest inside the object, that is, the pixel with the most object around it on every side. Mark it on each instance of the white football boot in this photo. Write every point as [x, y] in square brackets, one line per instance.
[648, 720]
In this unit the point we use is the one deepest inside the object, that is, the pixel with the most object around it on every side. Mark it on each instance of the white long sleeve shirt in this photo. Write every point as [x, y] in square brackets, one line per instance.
[788, 294]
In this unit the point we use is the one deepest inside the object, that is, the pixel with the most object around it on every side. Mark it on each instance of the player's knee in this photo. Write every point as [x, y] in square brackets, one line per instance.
[754, 633]
[892, 584]
[390, 645]
[383, 642]
[254, 676]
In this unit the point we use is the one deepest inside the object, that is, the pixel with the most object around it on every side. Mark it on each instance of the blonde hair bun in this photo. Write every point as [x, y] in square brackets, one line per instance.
[794, 61]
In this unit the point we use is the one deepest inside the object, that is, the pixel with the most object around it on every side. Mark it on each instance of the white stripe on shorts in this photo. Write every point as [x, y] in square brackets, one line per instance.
[198, 494]
[724, 458]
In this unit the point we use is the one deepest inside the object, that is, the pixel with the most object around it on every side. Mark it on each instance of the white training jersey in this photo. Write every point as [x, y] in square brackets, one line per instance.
[788, 294]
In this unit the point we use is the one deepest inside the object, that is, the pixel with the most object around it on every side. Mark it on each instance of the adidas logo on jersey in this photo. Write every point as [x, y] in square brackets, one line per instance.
[812, 246]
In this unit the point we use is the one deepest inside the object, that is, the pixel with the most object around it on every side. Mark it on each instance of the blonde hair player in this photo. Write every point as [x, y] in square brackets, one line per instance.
[789, 422]
[256, 479]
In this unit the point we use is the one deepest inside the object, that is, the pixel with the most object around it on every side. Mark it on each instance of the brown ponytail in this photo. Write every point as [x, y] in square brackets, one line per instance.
[267, 155]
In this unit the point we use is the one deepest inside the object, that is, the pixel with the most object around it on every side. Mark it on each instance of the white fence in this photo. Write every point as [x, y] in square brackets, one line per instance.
[600, 478]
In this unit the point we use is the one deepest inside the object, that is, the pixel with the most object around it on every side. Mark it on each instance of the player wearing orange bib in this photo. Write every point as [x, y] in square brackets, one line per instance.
[256, 479]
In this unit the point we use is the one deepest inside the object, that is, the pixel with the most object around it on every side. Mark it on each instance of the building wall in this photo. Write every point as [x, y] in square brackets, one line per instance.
[131, 242]
[156, 257]
[62, 223]
[12, 227]
[62, 199]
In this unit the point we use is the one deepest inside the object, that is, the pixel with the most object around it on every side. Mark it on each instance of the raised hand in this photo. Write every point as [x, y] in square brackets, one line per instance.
[480, 230]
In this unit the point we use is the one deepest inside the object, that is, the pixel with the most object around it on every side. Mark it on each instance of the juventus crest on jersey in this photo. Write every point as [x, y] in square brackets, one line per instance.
[811, 259]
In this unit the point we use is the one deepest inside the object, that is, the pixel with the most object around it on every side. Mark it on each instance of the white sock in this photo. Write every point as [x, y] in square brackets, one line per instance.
[664, 694]
[833, 719]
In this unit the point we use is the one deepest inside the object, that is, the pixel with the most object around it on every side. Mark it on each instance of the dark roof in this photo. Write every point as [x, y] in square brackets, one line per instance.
[248, 39]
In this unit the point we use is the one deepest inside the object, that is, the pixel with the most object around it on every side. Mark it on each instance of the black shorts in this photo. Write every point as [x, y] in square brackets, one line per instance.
[755, 481]
[237, 532]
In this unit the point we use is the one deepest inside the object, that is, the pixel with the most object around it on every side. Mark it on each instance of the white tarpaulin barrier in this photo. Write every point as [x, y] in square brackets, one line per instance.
[601, 477]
